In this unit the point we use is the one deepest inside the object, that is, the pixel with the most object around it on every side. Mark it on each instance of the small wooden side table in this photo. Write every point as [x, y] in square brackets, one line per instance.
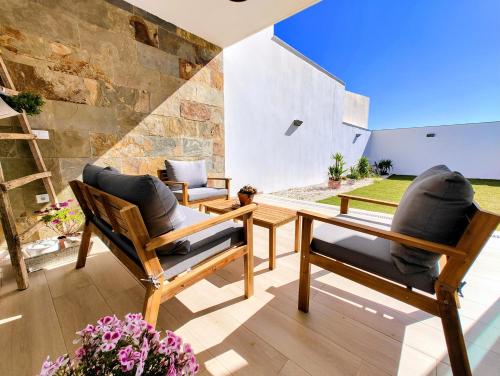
[267, 216]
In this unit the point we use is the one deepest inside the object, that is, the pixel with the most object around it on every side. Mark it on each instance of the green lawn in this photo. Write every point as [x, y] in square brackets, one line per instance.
[487, 193]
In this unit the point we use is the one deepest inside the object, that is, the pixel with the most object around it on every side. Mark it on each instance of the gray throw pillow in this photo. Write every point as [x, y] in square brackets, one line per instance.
[158, 206]
[192, 172]
[433, 208]
[89, 175]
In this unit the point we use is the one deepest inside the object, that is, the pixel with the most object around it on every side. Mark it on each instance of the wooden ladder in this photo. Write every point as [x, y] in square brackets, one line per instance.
[12, 237]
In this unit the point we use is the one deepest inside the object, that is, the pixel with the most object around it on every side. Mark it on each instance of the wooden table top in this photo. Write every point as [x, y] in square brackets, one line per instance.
[265, 215]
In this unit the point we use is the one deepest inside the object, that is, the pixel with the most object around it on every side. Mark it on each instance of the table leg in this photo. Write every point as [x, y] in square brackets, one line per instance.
[272, 248]
[297, 233]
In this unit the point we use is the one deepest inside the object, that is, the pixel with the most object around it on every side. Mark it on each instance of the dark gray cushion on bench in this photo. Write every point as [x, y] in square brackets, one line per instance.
[433, 208]
[367, 252]
[201, 193]
[89, 175]
[203, 244]
[192, 172]
[158, 206]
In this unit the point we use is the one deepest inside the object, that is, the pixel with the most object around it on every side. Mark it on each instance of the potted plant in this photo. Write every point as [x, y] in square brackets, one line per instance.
[363, 168]
[353, 175]
[336, 171]
[64, 219]
[125, 347]
[384, 166]
[29, 102]
[246, 194]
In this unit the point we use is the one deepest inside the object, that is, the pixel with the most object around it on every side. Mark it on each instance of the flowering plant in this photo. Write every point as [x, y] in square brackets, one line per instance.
[65, 219]
[124, 347]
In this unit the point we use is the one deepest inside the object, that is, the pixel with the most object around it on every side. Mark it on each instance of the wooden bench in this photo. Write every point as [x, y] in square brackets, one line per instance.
[103, 211]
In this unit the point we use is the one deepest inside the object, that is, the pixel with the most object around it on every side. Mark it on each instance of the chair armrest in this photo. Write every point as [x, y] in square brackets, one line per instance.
[172, 236]
[366, 199]
[227, 182]
[219, 178]
[171, 182]
[386, 234]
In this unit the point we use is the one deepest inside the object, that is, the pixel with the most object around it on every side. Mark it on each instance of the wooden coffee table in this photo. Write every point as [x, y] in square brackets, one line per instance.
[267, 216]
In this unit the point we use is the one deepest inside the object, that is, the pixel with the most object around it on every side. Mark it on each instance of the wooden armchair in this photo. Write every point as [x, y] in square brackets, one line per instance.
[444, 303]
[121, 226]
[193, 196]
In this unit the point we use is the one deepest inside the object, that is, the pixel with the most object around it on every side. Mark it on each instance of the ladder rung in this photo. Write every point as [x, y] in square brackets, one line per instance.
[7, 91]
[17, 136]
[11, 184]
[26, 234]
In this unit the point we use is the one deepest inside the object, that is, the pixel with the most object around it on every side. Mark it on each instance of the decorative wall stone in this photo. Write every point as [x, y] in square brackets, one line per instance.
[122, 88]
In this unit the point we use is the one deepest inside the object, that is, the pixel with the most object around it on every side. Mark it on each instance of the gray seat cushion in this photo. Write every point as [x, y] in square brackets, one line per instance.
[192, 172]
[203, 244]
[158, 206]
[201, 193]
[367, 252]
[433, 208]
[89, 175]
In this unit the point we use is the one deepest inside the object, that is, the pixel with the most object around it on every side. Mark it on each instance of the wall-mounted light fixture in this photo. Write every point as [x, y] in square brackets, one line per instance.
[430, 135]
[297, 123]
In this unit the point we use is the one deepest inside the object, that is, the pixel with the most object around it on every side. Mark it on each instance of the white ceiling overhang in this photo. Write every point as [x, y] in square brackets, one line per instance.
[223, 22]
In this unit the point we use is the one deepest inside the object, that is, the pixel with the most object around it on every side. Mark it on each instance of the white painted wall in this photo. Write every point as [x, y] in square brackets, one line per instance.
[356, 109]
[266, 87]
[472, 149]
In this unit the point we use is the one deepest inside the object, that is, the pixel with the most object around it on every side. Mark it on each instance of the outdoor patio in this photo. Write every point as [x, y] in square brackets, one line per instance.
[350, 329]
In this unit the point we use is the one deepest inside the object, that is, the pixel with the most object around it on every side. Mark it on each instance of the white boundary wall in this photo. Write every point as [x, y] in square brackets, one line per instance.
[266, 87]
[472, 149]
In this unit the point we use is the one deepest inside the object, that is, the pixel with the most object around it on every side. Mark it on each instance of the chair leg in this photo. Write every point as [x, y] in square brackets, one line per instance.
[84, 245]
[452, 328]
[248, 257]
[305, 266]
[152, 303]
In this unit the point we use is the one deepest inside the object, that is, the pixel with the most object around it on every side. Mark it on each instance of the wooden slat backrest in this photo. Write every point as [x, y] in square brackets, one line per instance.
[162, 174]
[104, 206]
[481, 226]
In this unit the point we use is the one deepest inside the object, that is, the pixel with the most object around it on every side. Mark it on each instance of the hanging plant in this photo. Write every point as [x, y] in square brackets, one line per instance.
[29, 102]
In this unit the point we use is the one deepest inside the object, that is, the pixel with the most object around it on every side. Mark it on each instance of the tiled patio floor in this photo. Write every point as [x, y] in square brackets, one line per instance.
[350, 330]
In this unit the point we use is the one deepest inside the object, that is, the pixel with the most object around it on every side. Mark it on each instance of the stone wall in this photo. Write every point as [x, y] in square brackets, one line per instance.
[122, 88]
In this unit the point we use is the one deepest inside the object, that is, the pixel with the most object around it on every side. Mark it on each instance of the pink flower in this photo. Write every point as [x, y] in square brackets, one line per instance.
[56, 221]
[70, 200]
[126, 358]
[109, 340]
[63, 204]
[171, 370]
[143, 355]
[53, 206]
[80, 353]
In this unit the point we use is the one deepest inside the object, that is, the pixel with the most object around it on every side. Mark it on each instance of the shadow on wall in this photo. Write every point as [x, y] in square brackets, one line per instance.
[122, 88]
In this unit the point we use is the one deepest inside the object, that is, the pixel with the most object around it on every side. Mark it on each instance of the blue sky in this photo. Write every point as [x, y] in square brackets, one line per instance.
[422, 62]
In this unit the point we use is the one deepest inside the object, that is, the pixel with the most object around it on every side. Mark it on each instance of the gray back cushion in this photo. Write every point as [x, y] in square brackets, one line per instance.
[158, 206]
[433, 208]
[193, 172]
[89, 175]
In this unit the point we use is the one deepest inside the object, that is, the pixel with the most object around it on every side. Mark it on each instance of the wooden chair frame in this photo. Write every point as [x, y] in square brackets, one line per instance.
[457, 262]
[125, 219]
[162, 175]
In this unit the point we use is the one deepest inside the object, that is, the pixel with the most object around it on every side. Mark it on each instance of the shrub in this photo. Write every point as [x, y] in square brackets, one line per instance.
[364, 167]
[384, 166]
[248, 190]
[65, 219]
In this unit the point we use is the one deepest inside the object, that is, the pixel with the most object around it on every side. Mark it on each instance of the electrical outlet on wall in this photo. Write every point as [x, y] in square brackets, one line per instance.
[41, 199]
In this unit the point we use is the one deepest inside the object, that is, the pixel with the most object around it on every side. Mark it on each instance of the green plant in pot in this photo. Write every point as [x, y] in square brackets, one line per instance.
[246, 194]
[30, 102]
[336, 171]
[353, 175]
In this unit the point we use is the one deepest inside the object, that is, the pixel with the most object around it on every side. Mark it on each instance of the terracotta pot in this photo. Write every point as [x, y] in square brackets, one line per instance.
[61, 241]
[334, 184]
[245, 199]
